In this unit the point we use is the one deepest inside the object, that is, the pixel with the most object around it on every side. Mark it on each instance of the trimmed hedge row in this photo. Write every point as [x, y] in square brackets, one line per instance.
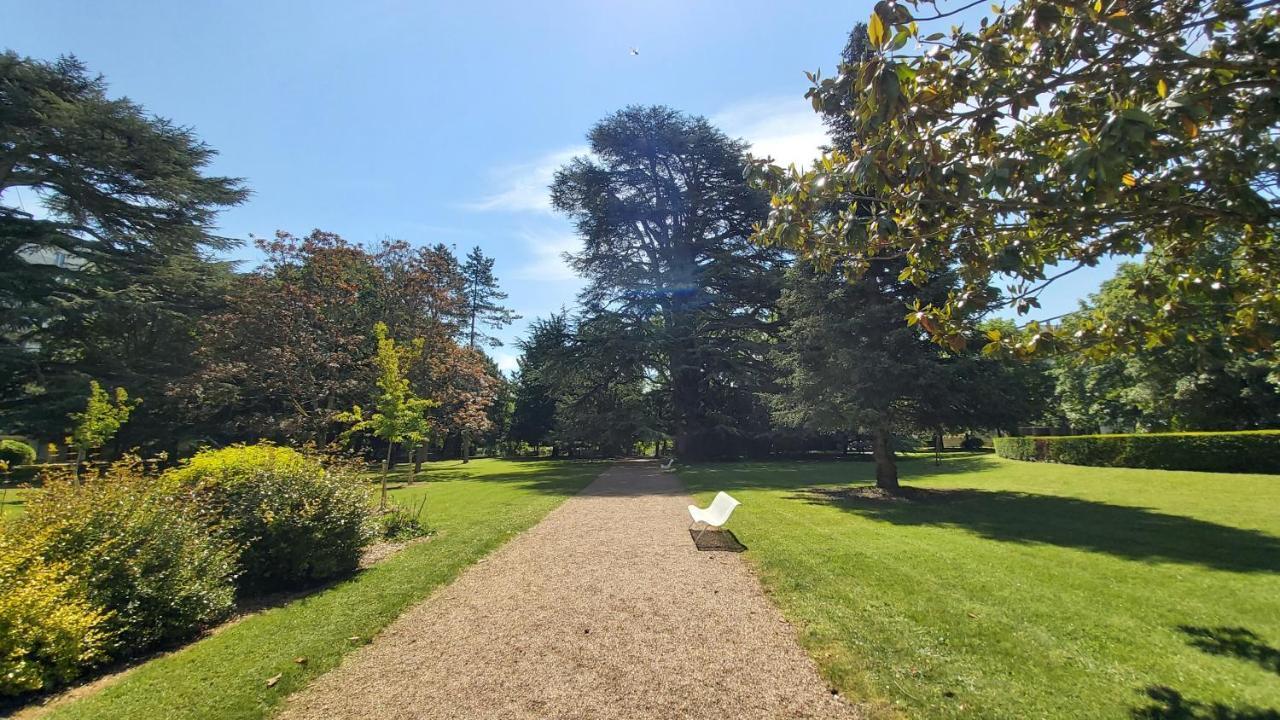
[1252, 451]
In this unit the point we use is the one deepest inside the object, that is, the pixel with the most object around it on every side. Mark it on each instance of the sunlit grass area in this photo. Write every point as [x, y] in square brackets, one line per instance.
[1024, 590]
[473, 509]
[12, 500]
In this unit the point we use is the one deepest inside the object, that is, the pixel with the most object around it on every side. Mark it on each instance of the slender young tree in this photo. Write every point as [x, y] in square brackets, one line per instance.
[484, 300]
[100, 421]
[401, 416]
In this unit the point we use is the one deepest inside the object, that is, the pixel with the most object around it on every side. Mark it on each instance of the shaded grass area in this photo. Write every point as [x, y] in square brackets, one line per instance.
[472, 509]
[1013, 589]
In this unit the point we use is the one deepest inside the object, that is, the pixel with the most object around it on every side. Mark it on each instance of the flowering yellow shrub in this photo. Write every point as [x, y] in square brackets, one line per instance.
[49, 630]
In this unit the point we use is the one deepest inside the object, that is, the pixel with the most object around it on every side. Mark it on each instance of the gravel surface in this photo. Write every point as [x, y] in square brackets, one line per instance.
[603, 610]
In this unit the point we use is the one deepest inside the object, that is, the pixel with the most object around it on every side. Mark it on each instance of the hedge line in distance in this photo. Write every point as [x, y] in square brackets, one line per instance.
[1251, 451]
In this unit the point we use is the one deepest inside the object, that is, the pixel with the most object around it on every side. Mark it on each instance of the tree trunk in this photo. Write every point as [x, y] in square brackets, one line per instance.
[79, 463]
[685, 401]
[886, 467]
[420, 452]
[555, 452]
[466, 447]
[386, 465]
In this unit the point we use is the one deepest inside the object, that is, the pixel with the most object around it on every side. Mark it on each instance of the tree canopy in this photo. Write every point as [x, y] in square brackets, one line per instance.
[1196, 379]
[105, 215]
[665, 218]
[1043, 139]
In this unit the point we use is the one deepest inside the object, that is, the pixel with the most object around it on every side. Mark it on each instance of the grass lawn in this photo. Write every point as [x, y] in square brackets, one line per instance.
[473, 509]
[11, 501]
[1031, 591]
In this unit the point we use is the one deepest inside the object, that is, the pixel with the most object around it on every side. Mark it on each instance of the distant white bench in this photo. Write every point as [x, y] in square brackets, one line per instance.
[716, 514]
[668, 465]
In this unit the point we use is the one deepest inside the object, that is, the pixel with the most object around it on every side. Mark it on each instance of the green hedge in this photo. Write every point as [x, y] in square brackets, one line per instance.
[1254, 451]
[16, 452]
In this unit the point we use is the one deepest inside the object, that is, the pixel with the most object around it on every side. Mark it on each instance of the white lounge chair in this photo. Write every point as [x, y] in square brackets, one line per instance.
[668, 465]
[716, 514]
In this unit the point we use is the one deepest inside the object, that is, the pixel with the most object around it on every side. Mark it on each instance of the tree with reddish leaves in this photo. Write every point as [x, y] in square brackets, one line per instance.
[291, 349]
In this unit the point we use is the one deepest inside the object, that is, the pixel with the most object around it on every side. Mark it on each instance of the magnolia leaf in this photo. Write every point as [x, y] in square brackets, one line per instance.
[1161, 88]
[1129, 180]
[875, 30]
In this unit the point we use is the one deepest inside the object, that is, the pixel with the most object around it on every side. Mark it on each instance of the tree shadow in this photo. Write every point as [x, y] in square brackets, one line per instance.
[1133, 533]
[793, 473]
[1169, 704]
[1236, 642]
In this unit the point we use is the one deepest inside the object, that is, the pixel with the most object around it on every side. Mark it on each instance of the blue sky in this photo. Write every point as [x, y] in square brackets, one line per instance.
[442, 122]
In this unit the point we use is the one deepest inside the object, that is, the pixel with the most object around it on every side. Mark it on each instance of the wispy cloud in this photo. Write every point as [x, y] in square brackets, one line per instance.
[786, 129]
[525, 187]
[507, 362]
[547, 248]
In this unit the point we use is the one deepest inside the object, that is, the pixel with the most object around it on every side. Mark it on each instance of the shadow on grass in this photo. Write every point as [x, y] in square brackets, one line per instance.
[783, 474]
[1132, 533]
[556, 477]
[1235, 642]
[1169, 704]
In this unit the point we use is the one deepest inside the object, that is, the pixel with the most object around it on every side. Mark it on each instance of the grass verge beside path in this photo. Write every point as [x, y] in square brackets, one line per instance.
[473, 508]
[11, 501]
[1025, 590]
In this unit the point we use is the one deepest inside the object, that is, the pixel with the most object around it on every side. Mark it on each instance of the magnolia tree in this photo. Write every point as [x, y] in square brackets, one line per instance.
[1043, 139]
[101, 420]
[401, 416]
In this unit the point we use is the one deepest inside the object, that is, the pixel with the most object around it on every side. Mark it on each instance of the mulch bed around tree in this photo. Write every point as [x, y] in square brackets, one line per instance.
[863, 493]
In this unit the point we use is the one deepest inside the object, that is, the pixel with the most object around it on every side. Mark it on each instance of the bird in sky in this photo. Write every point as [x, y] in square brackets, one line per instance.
[635, 51]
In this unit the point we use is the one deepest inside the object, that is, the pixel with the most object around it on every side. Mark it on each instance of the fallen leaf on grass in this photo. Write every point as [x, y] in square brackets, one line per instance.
[300, 660]
[271, 681]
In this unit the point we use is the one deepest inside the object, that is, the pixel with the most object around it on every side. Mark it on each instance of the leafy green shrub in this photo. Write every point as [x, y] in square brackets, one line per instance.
[49, 629]
[140, 551]
[400, 523]
[1256, 451]
[16, 452]
[296, 522]
[971, 442]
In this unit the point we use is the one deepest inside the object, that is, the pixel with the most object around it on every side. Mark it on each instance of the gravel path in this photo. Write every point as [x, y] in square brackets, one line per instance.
[603, 610]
